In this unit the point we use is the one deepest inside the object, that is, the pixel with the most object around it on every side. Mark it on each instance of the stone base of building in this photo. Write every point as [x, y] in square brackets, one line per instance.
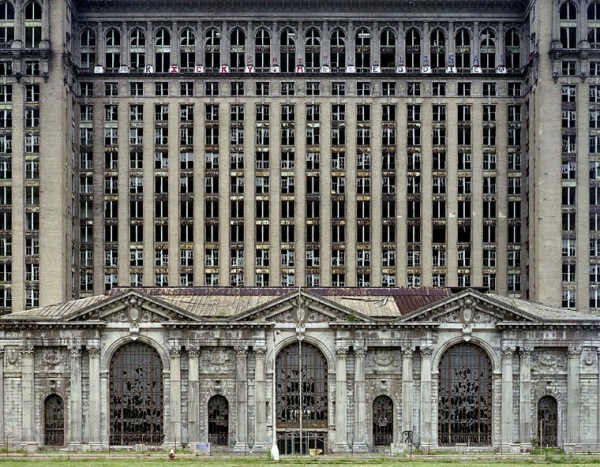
[30, 446]
[341, 447]
[360, 447]
[241, 447]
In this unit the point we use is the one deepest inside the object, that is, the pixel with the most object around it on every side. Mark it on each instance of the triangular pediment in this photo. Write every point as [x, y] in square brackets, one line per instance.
[133, 307]
[302, 306]
[469, 307]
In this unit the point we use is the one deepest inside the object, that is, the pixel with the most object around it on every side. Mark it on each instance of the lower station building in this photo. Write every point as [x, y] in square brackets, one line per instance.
[337, 369]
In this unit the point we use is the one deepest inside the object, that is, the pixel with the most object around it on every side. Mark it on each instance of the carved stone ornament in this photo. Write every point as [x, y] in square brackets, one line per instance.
[51, 358]
[382, 357]
[216, 359]
[12, 357]
[481, 317]
[467, 312]
[589, 358]
[452, 317]
[549, 361]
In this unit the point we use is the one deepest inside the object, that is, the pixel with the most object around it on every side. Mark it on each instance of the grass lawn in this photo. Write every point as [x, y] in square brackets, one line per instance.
[323, 461]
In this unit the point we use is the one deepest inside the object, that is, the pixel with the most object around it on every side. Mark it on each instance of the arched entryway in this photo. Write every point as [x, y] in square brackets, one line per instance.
[218, 421]
[383, 421]
[547, 421]
[465, 396]
[301, 399]
[136, 396]
[54, 421]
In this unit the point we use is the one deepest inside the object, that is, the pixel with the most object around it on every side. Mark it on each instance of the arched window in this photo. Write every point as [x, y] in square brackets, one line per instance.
[462, 49]
[136, 396]
[7, 24]
[547, 421]
[383, 421]
[512, 56]
[212, 49]
[237, 55]
[112, 44]
[413, 49]
[465, 397]
[218, 421]
[187, 49]
[301, 392]
[487, 49]
[162, 51]
[437, 49]
[312, 59]
[568, 25]
[594, 25]
[262, 49]
[33, 25]
[363, 50]
[287, 50]
[88, 48]
[137, 50]
[387, 49]
[54, 421]
[338, 50]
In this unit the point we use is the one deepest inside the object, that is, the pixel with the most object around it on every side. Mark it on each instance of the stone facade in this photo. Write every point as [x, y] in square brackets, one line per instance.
[366, 350]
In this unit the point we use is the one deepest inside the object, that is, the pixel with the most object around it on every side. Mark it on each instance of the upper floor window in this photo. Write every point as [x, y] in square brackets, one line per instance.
[162, 43]
[137, 50]
[512, 43]
[568, 25]
[287, 50]
[363, 50]
[312, 58]
[212, 49]
[187, 50]
[594, 25]
[487, 48]
[7, 24]
[237, 55]
[413, 49]
[338, 50]
[387, 49]
[437, 49]
[88, 48]
[462, 49]
[112, 45]
[262, 48]
[33, 25]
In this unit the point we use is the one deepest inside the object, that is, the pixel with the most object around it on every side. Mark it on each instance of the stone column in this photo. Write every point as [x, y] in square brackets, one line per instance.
[260, 426]
[573, 358]
[426, 412]
[360, 408]
[27, 387]
[193, 393]
[407, 391]
[525, 414]
[175, 394]
[507, 395]
[241, 402]
[341, 394]
[75, 401]
[94, 396]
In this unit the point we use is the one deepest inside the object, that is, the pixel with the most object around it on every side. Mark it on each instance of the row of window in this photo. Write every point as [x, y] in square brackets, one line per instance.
[487, 49]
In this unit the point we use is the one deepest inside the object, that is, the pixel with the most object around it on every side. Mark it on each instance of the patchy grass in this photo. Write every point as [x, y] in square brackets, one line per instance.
[158, 460]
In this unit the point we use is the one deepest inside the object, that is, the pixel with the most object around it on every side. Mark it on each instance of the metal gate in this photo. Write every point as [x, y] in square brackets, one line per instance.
[54, 421]
[218, 421]
[383, 421]
[465, 397]
[136, 396]
[547, 421]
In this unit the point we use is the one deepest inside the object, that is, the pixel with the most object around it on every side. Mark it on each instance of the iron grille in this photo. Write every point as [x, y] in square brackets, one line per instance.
[547, 417]
[465, 397]
[383, 421]
[54, 421]
[136, 395]
[218, 421]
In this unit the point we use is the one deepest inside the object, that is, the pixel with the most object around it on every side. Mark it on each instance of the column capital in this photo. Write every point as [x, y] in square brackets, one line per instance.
[526, 351]
[508, 350]
[193, 351]
[175, 351]
[241, 351]
[94, 350]
[573, 352]
[426, 351]
[407, 351]
[341, 351]
[27, 349]
[360, 352]
[260, 351]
